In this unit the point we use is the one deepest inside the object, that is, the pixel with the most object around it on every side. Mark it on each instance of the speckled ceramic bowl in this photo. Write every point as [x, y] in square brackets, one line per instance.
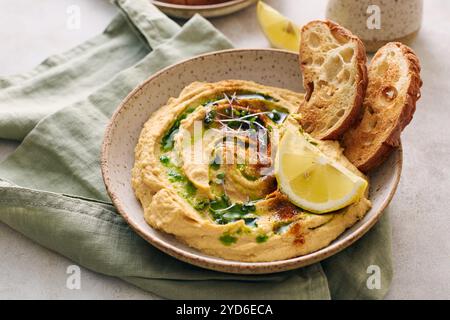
[208, 11]
[268, 67]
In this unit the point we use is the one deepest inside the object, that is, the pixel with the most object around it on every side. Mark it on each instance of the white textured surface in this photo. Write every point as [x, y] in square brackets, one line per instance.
[29, 32]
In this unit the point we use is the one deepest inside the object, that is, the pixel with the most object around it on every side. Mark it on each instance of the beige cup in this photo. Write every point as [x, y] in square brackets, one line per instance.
[377, 22]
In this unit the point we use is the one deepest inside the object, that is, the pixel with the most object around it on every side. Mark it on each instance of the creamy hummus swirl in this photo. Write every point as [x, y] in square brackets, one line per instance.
[203, 173]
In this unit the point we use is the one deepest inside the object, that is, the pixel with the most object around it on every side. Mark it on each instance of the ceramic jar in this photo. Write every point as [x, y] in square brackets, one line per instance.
[377, 22]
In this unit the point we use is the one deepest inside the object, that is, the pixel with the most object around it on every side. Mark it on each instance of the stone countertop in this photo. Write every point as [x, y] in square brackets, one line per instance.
[419, 211]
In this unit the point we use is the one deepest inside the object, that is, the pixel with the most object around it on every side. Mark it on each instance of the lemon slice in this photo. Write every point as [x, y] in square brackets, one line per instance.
[281, 32]
[310, 179]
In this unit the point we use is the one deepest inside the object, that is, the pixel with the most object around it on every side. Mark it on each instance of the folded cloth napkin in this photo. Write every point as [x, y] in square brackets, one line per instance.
[51, 188]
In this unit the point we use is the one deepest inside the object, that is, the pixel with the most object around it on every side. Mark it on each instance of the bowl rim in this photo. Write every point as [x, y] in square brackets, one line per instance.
[199, 7]
[211, 262]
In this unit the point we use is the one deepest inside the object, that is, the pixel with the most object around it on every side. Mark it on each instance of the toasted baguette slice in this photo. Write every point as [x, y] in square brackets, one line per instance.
[333, 63]
[389, 105]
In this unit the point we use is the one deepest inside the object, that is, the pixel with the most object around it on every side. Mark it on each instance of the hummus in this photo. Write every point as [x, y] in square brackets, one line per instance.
[197, 177]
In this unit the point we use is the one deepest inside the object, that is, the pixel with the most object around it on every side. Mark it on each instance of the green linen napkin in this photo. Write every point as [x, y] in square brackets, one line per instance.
[51, 188]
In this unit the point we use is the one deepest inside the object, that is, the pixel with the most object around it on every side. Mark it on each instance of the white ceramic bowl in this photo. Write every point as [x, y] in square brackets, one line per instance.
[207, 11]
[266, 66]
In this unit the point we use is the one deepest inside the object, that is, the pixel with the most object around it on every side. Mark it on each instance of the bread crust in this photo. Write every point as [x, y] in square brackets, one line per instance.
[361, 80]
[355, 139]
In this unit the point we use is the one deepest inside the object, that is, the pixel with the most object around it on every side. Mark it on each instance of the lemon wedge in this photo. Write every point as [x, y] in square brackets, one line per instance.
[310, 179]
[281, 32]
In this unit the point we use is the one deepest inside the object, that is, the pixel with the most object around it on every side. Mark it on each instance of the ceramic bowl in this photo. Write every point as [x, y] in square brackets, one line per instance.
[266, 66]
[207, 11]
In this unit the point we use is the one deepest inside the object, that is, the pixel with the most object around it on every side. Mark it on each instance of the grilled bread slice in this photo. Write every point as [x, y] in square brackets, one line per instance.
[389, 105]
[333, 62]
